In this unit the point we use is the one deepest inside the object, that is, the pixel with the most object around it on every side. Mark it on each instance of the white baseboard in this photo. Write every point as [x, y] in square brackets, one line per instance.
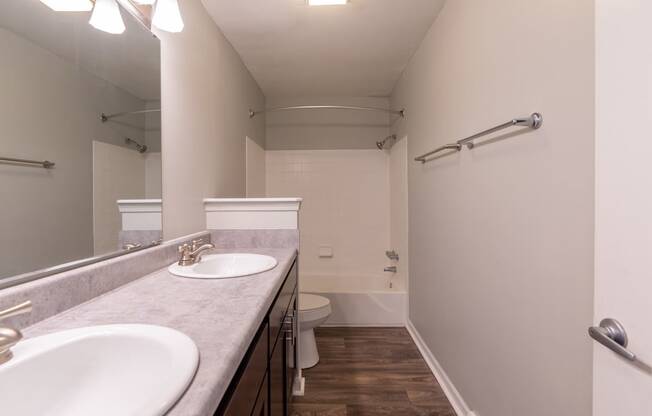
[454, 397]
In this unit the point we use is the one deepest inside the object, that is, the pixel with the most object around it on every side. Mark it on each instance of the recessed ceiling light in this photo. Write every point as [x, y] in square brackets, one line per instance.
[69, 5]
[327, 2]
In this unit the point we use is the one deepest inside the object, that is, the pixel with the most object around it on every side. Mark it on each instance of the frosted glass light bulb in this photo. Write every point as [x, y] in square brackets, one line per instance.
[167, 16]
[106, 17]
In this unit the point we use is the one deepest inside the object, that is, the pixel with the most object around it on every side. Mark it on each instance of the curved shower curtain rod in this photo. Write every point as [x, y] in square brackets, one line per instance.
[252, 113]
[107, 117]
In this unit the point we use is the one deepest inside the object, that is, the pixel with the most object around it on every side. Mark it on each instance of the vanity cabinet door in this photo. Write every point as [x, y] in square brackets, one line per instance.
[250, 376]
[261, 408]
[282, 363]
[277, 381]
[290, 337]
[280, 306]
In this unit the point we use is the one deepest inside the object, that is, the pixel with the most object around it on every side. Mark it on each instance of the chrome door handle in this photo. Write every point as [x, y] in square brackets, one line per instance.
[612, 335]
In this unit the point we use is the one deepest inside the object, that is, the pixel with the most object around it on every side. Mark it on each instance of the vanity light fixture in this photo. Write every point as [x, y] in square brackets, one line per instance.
[327, 2]
[106, 13]
[106, 17]
[69, 5]
[167, 16]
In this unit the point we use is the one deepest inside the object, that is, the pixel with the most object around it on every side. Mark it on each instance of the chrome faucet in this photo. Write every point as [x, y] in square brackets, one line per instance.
[11, 336]
[191, 254]
[131, 246]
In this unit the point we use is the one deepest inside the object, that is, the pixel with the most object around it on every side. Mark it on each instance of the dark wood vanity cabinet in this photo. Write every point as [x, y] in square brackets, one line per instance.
[261, 408]
[262, 385]
[251, 375]
[282, 343]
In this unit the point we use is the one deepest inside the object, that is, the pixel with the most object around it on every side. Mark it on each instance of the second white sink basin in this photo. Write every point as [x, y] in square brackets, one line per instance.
[224, 266]
[125, 370]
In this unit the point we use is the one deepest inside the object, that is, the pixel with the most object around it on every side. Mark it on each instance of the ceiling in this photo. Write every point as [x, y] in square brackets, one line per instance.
[130, 60]
[293, 49]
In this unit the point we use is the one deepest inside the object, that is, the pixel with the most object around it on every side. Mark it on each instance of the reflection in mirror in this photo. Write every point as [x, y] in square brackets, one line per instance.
[100, 192]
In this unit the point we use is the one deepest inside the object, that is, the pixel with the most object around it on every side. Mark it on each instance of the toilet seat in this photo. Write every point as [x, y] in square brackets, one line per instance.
[313, 307]
[308, 302]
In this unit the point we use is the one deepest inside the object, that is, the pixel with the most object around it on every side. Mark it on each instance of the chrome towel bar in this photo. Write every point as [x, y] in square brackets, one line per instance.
[424, 157]
[534, 121]
[44, 163]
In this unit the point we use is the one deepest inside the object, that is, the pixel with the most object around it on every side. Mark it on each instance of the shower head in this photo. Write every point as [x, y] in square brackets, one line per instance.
[381, 145]
[142, 148]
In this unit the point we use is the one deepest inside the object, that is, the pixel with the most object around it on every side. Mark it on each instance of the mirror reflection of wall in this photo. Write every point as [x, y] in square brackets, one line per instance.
[58, 75]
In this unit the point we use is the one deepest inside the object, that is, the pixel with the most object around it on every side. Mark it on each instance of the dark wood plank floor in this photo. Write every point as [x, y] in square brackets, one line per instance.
[370, 371]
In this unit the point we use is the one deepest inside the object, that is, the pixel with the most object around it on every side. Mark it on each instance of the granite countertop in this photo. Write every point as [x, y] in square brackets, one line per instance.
[221, 316]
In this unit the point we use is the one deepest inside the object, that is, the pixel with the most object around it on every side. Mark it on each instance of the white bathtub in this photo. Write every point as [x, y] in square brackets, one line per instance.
[359, 300]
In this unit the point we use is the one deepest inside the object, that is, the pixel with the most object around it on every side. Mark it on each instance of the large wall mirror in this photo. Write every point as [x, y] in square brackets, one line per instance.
[80, 145]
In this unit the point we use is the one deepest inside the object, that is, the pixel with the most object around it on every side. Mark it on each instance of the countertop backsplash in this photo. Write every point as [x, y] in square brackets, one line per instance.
[54, 294]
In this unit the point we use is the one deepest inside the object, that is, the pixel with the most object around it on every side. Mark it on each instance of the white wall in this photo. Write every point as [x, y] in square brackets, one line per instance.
[153, 126]
[118, 173]
[345, 206]
[398, 207]
[623, 203]
[153, 171]
[153, 157]
[326, 129]
[50, 110]
[501, 237]
[255, 170]
[206, 94]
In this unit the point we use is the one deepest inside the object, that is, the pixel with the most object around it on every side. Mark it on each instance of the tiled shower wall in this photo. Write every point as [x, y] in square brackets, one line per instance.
[345, 207]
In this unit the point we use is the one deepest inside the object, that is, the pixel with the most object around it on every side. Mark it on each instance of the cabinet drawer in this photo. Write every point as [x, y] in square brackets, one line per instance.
[251, 378]
[280, 305]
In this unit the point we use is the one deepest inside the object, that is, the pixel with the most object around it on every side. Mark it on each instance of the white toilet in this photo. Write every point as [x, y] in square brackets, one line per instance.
[313, 311]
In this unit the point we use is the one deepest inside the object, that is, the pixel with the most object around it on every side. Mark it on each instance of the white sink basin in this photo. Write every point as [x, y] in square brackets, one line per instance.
[101, 370]
[224, 266]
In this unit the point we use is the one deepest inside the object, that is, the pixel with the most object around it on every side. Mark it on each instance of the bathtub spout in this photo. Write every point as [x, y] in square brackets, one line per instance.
[390, 269]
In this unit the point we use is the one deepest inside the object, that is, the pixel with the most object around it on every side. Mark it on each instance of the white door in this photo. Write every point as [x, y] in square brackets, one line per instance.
[623, 250]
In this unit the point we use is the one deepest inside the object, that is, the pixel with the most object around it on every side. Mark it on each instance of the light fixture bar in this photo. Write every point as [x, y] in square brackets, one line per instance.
[106, 17]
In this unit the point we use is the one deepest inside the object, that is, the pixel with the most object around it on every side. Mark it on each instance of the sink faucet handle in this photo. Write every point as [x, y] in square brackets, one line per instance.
[19, 309]
[11, 336]
[195, 244]
[392, 255]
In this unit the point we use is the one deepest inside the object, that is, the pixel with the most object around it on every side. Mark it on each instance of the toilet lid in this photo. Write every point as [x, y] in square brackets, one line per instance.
[308, 302]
